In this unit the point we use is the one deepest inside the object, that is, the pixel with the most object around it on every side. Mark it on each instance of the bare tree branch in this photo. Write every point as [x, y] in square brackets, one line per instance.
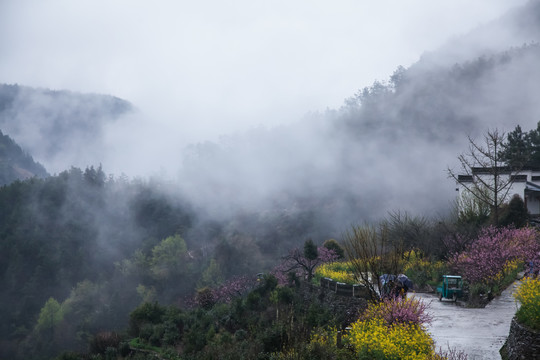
[484, 164]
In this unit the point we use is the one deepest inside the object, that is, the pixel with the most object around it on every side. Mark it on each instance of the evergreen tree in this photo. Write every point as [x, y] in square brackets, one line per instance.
[517, 149]
[310, 250]
[515, 213]
[533, 139]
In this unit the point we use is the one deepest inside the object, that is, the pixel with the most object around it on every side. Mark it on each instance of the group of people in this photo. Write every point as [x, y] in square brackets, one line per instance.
[395, 286]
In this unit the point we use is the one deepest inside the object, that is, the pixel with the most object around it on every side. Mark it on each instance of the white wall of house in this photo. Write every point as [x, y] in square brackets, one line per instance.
[527, 187]
[533, 205]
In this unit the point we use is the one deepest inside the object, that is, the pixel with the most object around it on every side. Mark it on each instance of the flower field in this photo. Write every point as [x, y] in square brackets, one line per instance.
[337, 271]
[528, 294]
[392, 329]
[374, 339]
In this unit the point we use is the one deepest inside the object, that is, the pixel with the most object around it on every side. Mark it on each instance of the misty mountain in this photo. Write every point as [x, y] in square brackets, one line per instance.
[60, 128]
[245, 200]
[15, 164]
[388, 147]
[518, 26]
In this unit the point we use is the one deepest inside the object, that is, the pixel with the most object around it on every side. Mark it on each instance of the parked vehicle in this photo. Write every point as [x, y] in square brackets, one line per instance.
[451, 288]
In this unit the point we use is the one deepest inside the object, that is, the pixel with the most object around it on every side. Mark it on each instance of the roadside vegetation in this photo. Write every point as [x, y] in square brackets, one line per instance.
[528, 295]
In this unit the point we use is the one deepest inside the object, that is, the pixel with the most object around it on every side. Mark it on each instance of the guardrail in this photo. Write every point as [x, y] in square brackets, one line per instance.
[357, 290]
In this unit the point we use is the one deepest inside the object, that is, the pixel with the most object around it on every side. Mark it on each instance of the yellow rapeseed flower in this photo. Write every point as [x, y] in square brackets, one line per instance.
[373, 337]
[337, 271]
[528, 294]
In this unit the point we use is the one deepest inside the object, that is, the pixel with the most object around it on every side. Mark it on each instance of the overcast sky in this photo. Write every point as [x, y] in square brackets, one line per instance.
[204, 68]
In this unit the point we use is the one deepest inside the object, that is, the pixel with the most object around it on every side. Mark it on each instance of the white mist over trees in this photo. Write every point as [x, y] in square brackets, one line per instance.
[386, 147]
[235, 205]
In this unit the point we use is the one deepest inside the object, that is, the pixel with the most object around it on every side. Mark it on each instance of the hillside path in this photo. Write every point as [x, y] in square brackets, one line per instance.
[480, 333]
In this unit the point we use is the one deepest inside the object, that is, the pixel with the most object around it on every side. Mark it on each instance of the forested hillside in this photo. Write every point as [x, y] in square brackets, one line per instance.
[387, 147]
[62, 230]
[102, 245]
[80, 250]
[15, 164]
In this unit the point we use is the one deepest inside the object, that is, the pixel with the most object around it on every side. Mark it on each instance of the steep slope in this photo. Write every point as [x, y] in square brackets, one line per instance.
[60, 128]
[15, 164]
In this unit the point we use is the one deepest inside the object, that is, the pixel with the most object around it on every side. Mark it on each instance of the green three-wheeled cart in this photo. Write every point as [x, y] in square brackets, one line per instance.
[451, 288]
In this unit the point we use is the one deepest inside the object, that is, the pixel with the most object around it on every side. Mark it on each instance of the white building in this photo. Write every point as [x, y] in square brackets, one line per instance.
[526, 184]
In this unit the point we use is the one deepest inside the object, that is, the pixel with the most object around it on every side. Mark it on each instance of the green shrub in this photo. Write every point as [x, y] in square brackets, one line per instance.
[205, 298]
[272, 338]
[253, 300]
[240, 335]
[422, 271]
[171, 333]
[111, 353]
[146, 313]
[104, 340]
[146, 332]
[158, 331]
[286, 295]
[68, 356]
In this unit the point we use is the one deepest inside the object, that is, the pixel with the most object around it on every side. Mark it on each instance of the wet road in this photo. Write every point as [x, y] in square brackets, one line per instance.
[480, 333]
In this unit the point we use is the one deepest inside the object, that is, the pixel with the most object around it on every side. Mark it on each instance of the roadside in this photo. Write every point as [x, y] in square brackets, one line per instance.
[480, 333]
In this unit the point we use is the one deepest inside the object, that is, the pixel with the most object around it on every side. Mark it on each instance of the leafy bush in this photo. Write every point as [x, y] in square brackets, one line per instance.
[318, 315]
[157, 325]
[273, 338]
[337, 271]
[158, 331]
[146, 313]
[205, 298]
[253, 300]
[146, 332]
[399, 311]
[332, 244]
[374, 339]
[421, 271]
[528, 294]
[285, 295]
[171, 333]
[103, 341]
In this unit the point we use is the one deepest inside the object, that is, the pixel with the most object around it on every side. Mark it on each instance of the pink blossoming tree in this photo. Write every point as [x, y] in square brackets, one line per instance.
[487, 256]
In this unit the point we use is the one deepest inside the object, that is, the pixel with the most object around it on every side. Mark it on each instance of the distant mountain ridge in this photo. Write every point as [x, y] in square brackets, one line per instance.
[58, 127]
[517, 27]
[15, 164]
[386, 148]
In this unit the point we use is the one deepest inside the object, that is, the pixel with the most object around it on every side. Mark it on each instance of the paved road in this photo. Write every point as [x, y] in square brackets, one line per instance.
[478, 332]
